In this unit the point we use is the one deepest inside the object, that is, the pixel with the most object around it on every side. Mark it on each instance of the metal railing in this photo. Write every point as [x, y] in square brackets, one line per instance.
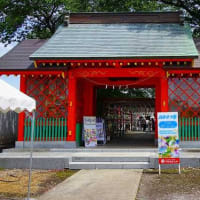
[189, 128]
[46, 129]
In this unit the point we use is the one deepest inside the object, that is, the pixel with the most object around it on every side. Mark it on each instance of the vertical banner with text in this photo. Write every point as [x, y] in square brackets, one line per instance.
[168, 141]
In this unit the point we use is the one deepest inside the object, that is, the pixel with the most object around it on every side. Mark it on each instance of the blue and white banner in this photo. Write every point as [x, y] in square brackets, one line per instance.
[168, 138]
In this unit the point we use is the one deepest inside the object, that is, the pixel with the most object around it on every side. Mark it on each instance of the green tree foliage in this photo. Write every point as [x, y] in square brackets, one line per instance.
[191, 11]
[114, 5]
[33, 18]
[39, 19]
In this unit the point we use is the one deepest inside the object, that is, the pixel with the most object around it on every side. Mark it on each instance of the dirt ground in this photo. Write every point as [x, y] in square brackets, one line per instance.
[14, 183]
[170, 185]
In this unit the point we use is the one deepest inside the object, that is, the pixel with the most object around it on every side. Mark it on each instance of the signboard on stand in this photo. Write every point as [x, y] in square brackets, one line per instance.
[89, 129]
[168, 138]
[101, 134]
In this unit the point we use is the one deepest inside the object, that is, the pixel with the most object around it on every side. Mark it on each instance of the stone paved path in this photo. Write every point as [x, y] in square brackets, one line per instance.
[97, 185]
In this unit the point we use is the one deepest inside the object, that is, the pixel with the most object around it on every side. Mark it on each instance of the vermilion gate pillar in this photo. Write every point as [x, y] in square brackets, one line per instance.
[88, 98]
[161, 98]
[22, 114]
[71, 123]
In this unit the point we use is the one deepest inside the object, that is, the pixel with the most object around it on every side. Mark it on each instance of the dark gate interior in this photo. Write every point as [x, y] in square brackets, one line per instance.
[128, 115]
[129, 121]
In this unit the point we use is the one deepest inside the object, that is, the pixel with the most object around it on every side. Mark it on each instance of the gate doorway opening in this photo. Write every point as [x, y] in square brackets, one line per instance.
[129, 115]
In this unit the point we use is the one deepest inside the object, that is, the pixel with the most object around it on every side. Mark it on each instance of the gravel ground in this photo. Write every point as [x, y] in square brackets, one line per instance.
[170, 185]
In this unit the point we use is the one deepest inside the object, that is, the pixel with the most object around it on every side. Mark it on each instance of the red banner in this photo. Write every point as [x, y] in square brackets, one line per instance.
[169, 160]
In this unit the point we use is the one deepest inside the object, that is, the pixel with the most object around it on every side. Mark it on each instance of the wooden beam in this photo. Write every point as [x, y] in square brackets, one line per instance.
[120, 72]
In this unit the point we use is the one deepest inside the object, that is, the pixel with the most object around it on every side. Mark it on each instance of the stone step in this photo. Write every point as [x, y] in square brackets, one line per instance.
[83, 149]
[109, 165]
[110, 159]
[99, 149]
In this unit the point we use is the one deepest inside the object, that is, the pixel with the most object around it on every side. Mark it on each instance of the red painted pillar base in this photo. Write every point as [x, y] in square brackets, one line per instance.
[161, 99]
[21, 119]
[71, 123]
[21, 115]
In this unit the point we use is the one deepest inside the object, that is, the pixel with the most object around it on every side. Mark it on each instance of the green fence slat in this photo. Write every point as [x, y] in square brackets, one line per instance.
[195, 129]
[192, 129]
[57, 122]
[40, 128]
[37, 125]
[78, 134]
[198, 131]
[26, 129]
[53, 128]
[183, 128]
[61, 129]
[27, 136]
[29, 130]
[43, 129]
[35, 130]
[179, 129]
[50, 135]
[65, 129]
[56, 129]
[47, 129]
[186, 128]
[189, 127]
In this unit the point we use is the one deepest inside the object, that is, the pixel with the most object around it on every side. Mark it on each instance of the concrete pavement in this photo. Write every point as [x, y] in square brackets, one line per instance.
[97, 185]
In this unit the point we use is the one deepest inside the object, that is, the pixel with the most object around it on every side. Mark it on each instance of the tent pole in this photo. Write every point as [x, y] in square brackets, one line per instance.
[31, 156]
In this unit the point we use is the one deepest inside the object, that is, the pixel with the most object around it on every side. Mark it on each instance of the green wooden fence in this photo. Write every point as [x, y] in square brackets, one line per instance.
[189, 128]
[46, 129]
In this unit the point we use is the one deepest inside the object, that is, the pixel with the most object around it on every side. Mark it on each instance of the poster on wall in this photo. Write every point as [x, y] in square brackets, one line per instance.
[168, 138]
[101, 134]
[89, 130]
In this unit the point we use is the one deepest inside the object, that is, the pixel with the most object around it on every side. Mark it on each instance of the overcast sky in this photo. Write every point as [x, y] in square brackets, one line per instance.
[12, 80]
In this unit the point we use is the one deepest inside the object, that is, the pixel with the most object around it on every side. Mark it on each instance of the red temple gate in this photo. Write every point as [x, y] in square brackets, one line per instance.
[155, 49]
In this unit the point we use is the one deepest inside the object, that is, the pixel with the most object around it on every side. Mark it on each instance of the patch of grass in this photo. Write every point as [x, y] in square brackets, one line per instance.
[63, 174]
[13, 183]
[1, 169]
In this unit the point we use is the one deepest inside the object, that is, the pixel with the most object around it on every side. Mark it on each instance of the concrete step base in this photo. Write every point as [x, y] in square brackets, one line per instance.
[109, 165]
[110, 159]
[83, 149]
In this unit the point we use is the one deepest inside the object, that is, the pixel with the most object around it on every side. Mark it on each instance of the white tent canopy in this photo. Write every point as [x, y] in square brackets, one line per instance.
[12, 99]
